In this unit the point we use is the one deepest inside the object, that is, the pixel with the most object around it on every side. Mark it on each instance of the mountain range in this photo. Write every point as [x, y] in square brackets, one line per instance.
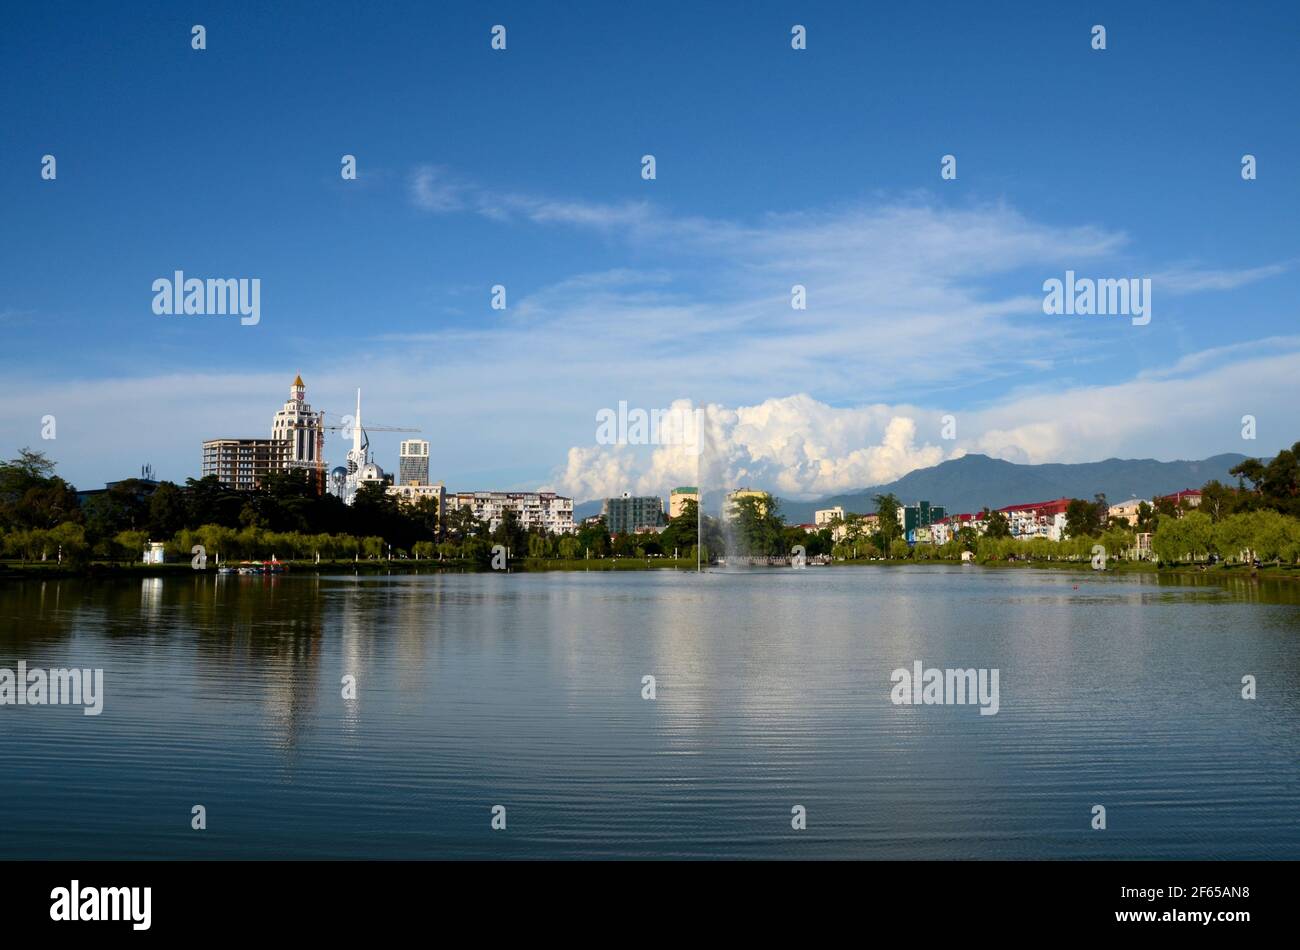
[972, 482]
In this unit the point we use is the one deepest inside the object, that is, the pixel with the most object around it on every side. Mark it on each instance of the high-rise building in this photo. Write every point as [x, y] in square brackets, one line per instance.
[413, 463]
[242, 464]
[296, 424]
[294, 445]
[678, 498]
[625, 515]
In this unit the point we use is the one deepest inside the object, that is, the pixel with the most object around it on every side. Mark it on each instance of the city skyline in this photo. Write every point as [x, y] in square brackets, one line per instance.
[924, 295]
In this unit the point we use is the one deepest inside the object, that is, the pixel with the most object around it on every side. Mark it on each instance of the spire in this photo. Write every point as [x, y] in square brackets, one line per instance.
[356, 430]
[297, 382]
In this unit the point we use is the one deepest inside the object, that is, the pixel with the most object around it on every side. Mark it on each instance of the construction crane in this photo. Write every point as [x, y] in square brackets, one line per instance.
[319, 425]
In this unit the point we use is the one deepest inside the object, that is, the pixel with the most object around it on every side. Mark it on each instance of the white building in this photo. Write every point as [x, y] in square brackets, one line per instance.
[296, 424]
[410, 494]
[546, 510]
[826, 515]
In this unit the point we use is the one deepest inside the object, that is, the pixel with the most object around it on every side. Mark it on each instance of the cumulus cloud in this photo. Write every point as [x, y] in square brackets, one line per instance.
[799, 447]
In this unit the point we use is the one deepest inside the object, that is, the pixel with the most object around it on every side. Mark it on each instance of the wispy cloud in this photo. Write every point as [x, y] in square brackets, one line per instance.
[1191, 280]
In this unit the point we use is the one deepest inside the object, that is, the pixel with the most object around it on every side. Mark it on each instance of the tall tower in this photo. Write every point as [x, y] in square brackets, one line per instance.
[296, 424]
[360, 469]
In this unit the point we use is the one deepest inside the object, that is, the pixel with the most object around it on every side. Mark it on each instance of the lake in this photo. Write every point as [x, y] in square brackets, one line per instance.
[772, 690]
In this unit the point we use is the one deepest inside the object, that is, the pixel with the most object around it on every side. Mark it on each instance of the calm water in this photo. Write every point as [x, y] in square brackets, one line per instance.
[773, 690]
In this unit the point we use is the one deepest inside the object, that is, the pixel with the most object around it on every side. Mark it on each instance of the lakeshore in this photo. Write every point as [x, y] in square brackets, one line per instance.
[51, 569]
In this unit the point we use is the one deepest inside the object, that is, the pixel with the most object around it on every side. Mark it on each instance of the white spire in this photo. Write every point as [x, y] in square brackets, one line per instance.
[356, 432]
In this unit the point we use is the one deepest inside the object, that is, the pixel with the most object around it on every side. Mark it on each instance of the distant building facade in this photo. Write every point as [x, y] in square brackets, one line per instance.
[413, 462]
[920, 515]
[732, 507]
[630, 513]
[1038, 519]
[410, 494]
[1188, 497]
[678, 498]
[543, 509]
[826, 515]
[1128, 510]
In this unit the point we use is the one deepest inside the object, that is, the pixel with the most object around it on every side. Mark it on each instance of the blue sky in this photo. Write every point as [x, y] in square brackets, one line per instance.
[775, 167]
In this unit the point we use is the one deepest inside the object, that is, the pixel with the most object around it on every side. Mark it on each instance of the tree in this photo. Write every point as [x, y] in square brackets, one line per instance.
[1218, 500]
[594, 538]
[888, 527]
[758, 526]
[32, 496]
[167, 514]
[996, 524]
[1085, 517]
[1277, 484]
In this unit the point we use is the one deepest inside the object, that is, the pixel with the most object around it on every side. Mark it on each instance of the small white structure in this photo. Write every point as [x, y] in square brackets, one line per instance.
[967, 556]
[153, 554]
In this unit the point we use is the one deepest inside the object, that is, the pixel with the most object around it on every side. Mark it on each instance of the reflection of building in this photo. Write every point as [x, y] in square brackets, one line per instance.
[628, 514]
[678, 498]
[732, 507]
[413, 463]
[243, 463]
[542, 509]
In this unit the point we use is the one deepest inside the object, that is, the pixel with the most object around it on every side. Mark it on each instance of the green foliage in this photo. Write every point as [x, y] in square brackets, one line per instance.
[888, 528]
[758, 528]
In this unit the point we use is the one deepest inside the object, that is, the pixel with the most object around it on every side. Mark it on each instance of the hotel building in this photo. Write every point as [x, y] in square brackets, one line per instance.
[295, 444]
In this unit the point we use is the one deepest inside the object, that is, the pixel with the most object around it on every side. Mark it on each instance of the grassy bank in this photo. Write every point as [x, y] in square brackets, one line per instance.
[52, 569]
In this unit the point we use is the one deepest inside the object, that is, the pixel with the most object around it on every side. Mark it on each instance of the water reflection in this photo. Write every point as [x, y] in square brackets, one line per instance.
[772, 688]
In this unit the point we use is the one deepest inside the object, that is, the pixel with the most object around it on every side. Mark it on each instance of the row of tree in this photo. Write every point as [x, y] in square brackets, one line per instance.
[40, 514]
